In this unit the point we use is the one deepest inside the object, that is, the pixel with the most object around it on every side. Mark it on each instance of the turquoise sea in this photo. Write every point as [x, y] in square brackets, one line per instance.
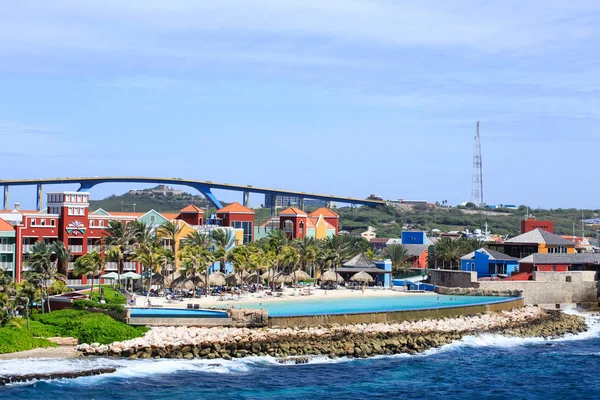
[484, 366]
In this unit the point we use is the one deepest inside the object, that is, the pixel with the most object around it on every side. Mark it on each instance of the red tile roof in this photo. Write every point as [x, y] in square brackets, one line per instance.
[236, 208]
[5, 226]
[170, 216]
[293, 211]
[326, 212]
[191, 209]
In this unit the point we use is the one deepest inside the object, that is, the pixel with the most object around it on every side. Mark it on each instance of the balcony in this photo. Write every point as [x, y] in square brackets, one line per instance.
[75, 248]
[71, 266]
[27, 248]
[128, 266]
[93, 247]
[6, 266]
[7, 248]
[111, 266]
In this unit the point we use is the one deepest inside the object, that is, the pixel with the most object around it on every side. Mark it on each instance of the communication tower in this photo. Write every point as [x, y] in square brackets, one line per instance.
[477, 190]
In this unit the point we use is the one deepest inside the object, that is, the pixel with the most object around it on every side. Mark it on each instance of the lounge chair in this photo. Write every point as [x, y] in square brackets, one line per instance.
[191, 306]
[196, 306]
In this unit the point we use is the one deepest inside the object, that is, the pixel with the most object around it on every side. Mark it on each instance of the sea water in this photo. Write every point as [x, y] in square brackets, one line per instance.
[483, 366]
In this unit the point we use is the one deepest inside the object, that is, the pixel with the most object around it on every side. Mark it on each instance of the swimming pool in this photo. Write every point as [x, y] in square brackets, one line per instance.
[289, 308]
[175, 313]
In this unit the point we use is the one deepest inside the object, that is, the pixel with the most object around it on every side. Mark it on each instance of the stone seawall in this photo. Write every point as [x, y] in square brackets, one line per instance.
[359, 340]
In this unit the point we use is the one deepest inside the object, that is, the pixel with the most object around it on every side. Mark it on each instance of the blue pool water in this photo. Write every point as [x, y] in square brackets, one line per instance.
[360, 304]
[477, 367]
[175, 313]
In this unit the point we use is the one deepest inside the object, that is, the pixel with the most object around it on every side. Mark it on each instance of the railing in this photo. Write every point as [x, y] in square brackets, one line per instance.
[6, 266]
[75, 248]
[93, 247]
[111, 266]
[74, 282]
[7, 248]
[27, 248]
[128, 266]
[71, 266]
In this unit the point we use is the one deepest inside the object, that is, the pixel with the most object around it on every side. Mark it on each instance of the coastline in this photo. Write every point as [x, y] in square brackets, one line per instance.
[61, 352]
[355, 340]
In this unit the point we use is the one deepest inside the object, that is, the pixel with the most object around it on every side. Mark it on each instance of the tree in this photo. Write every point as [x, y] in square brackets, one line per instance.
[338, 248]
[43, 267]
[120, 242]
[223, 239]
[196, 238]
[290, 258]
[170, 230]
[152, 256]
[194, 260]
[61, 256]
[90, 264]
[398, 254]
[276, 240]
[308, 251]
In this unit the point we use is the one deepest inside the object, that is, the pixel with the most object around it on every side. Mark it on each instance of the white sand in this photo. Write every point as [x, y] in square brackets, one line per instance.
[288, 295]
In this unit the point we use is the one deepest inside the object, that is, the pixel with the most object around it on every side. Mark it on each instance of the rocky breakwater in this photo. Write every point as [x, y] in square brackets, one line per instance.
[360, 340]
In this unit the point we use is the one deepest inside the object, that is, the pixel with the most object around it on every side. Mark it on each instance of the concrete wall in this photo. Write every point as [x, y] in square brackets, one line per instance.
[551, 288]
[393, 316]
[448, 278]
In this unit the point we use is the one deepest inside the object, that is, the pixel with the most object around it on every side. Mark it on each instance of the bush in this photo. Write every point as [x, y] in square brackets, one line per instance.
[83, 304]
[90, 327]
[14, 339]
[111, 296]
[59, 287]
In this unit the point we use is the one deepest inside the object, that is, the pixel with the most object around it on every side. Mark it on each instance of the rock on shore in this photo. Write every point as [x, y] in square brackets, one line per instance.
[360, 340]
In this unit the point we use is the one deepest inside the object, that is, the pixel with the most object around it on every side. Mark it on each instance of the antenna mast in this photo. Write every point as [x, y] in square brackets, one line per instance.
[477, 189]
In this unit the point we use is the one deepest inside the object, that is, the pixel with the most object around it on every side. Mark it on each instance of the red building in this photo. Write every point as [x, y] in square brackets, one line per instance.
[67, 220]
[192, 215]
[531, 224]
[236, 215]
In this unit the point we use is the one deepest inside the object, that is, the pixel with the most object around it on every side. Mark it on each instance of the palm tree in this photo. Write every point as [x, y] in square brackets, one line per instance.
[222, 239]
[43, 267]
[152, 256]
[120, 241]
[62, 256]
[90, 264]
[276, 240]
[398, 254]
[447, 251]
[338, 248]
[196, 238]
[195, 259]
[308, 249]
[170, 230]
[290, 257]
[238, 256]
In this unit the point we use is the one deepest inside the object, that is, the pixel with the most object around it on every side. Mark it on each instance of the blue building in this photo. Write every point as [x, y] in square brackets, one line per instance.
[489, 263]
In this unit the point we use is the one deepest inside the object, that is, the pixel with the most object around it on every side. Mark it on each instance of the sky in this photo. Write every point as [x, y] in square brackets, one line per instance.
[348, 97]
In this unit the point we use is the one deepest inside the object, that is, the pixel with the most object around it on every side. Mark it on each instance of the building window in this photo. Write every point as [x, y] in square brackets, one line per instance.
[101, 223]
[152, 219]
[33, 222]
[288, 228]
[301, 229]
[43, 222]
[52, 222]
[247, 226]
[70, 210]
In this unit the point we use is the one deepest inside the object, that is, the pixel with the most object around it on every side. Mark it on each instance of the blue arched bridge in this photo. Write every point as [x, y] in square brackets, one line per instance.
[204, 187]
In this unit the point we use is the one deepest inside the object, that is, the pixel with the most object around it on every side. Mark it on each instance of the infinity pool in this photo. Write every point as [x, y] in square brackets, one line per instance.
[175, 313]
[288, 308]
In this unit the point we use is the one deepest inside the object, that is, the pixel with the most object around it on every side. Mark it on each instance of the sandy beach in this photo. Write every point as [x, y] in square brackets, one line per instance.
[288, 294]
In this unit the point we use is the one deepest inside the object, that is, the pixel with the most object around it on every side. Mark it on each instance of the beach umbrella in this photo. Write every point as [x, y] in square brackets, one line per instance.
[179, 282]
[110, 275]
[217, 279]
[267, 276]
[130, 275]
[283, 277]
[330, 276]
[233, 279]
[301, 275]
[362, 276]
[252, 278]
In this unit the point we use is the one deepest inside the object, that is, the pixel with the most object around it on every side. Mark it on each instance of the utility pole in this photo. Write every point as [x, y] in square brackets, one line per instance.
[477, 180]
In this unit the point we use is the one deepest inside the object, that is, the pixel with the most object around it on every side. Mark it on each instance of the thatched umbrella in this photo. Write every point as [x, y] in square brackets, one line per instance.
[362, 276]
[233, 279]
[252, 278]
[301, 275]
[266, 276]
[282, 277]
[331, 276]
[217, 279]
[188, 282]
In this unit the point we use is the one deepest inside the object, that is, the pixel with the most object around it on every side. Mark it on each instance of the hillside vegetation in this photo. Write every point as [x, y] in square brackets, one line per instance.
[389, 220]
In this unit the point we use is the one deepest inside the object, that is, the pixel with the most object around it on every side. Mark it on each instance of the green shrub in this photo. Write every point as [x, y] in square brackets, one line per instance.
[111, 296]
[19, 339]
[89, 327]
[83, 304]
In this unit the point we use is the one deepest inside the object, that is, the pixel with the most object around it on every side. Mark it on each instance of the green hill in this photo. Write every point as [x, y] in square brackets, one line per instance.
[390, 221]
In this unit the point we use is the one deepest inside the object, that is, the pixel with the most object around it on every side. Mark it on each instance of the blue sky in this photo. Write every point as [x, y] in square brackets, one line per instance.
[350, 97]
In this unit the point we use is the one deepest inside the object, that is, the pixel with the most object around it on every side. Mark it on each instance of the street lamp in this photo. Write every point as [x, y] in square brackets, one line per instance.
[133, 207]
